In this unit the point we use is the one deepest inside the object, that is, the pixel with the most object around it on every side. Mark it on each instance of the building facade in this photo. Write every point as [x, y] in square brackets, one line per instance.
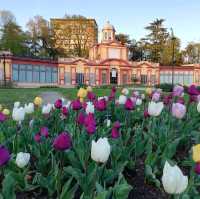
[107, 64]
[73, 34]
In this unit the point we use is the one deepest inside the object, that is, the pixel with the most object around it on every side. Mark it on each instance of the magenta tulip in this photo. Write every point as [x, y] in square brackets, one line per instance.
[90, 120]
[91, 96]
[197, 168]
[65, 111]
[4, 155]
[2, 117]
[91, 129]
[58, 103]
[44, 132]
[192, 90]
[117, 125]
[76, 105]
[115, 133]
[62, 142]
[129, 105]
[37, 137]
[146, 114]
[101, 105]
[80, 119]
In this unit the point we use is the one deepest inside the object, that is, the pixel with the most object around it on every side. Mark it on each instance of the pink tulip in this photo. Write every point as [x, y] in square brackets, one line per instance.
[115, 133]
[117, 125]
[2, 117]
[37, 137]
[81, 118]
[65, 111]
[44, 131]
[178, 110]
[129, 105]
[178, 91]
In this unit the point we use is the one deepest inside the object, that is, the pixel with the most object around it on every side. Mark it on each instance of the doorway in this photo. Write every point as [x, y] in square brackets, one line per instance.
[113, 76]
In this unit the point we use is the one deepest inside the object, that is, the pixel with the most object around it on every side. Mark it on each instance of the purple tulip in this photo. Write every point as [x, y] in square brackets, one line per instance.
[44, 132]
[192, 90]
[181, 100]
[58, 103]
[91, 96]
[178, 91]
[178, 110]
[117, 125]
[197, 168]
[146, 114]
[156, 96]
[89, 120]
[101, 105]
[193, 98]
[91, 129]
[37, 137]
[129, 105]
[80, 119]
[4, 155]
[62, 142]
[76, 105]
[65, 111]
[115, 133]
[167, 99]
[2, 117]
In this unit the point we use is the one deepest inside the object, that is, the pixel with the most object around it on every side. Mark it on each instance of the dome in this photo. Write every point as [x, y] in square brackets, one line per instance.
[108, 26]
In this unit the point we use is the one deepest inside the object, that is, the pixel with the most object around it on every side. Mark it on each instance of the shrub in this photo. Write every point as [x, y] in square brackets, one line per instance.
[165, 87]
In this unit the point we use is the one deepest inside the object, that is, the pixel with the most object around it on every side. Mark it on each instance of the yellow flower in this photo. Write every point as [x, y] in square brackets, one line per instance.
[196, 153]
[89, 89]
[6, 111]
[1, 107]
[148, 91]
[82, 93]
[81, 100]
[38, 101]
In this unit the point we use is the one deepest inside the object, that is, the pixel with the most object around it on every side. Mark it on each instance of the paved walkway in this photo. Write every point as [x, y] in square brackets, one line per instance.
[50, 96]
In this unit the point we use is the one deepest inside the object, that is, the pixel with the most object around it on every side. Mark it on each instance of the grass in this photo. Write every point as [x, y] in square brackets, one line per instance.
[25, 95]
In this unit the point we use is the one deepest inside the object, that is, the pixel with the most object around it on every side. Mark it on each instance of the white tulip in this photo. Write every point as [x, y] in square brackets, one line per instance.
[173, 180]
[138, 102]
[29, 108]
[108, 122]
[16, 104]
[198, 107]
[22, 159]
[46, 109]
[89, 108]
[18, 114]
[100, 150]
[68, 104]
[143, 96]
[154, 109]
[122, 99]
[125, 91]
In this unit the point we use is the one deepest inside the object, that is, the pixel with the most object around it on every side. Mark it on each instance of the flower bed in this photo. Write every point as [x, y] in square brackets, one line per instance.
[134, 146]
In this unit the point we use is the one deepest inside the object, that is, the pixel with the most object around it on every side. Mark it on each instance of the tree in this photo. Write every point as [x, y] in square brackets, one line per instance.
[6, 17]
[13, 39]
[41, 39]
[123, 38]
[191, 54]
[155, 40]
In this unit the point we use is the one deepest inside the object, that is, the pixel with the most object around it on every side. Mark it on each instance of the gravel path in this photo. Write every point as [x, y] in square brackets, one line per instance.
[50, 97]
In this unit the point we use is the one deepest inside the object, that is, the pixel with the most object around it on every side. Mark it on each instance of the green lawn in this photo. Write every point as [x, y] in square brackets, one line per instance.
[24, 95]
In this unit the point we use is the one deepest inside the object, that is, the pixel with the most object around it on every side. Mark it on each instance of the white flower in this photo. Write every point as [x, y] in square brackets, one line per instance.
[46, 109]
[143, 96]
[136, 93]
[100, 150]
[89, 108]
[154, 109]
[31, 123]
[122, 99]
[104, 97]
[138, 102]
[125, 91]
[63, 100]
[18, 114]
[22, 159]
[29, 108]
[108, 123]
[173, 180]
[198, 107]
[16, 104]
[68, 104]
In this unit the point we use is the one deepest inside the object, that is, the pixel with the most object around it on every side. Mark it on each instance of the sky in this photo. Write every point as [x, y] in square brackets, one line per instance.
[127, 16]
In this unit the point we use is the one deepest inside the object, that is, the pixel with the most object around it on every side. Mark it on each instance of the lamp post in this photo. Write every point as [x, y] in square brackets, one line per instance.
[4, 54]
[173, 39]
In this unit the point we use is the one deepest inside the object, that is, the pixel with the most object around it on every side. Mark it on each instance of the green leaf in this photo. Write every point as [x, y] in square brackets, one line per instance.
[67, 192]
[8, 185]
[102, 195]
[121, 191]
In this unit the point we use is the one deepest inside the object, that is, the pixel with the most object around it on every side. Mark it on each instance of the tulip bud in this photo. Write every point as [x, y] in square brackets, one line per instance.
[37, 137]
[115, 133]
[2, 117]
[44, 131]
[91, 129]
[62, 141]
[4, 155]
[129, 105]
[38, 101]
[58, 104]
[22, 159]
[197, 168]
[100, 150]
[64, 111]
[76, 105]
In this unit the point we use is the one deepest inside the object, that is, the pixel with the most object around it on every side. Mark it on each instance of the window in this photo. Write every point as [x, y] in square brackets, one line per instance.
[143, 79]
[42, 74]
[15, 72]
[54, 75]
[104, 78]
[124, 79]
[79, 78]
[48, 74]
[29, 73]
[36, 73]
[22, 73]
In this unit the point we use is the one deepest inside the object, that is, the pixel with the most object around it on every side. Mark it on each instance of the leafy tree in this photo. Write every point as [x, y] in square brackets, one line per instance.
[123, 38]
[13, 39]
[5, 17]
[156, 39]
